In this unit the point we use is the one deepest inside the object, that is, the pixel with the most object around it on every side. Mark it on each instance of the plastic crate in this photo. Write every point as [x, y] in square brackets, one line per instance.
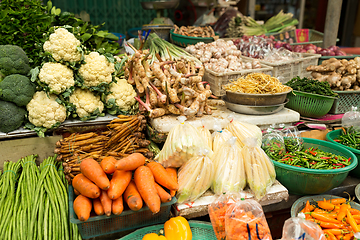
[309, 104]
[216, 80]
[346, 100]
[200, 231]
[128, 219]
[287, 70]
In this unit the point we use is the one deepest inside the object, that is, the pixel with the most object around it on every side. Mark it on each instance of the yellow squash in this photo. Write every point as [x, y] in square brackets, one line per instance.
[153, 236]
[177, 228]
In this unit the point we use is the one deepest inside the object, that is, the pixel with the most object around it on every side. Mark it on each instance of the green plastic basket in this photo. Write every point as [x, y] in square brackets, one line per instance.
[330, 136]
[346, 100]
[309, 104]
[304, 181]
[200, 231]
[184, 41]
[102, 225]
[299, 204]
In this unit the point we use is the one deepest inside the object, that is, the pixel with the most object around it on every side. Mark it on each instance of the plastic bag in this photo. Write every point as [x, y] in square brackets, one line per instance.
[351, 119]
[229, 168]
[259, 170]
[273, 143]
[292, 138]
[246, 220]
[182, 143]
[206, 135]
[223, 21]
[243, 130]
[195, 177]
[217, 211]
[298, 228]
[220, 136]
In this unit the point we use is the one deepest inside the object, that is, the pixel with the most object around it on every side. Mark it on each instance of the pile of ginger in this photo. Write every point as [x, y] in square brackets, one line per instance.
[341, 74]
[169, 87]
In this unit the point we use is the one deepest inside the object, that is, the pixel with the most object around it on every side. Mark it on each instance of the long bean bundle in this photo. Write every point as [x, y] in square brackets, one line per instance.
[34, 201]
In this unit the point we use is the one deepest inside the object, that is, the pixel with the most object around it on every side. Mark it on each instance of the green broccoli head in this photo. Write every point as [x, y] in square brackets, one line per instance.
[17, 88]
[13, 60]
[11, 116]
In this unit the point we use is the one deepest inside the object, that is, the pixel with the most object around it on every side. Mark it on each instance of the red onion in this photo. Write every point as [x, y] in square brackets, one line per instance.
[287, 46]
[333, 48]
[324, 52]
[313, 51]
[340, 53]
[331, 53]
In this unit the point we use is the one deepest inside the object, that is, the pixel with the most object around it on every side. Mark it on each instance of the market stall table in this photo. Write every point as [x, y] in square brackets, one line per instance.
[222, 116]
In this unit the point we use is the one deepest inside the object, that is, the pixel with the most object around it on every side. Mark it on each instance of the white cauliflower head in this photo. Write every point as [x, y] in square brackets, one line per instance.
[57, 76]
[85, 102]
[45, 111]
[123, 93]
[96, 70]
[62, 44]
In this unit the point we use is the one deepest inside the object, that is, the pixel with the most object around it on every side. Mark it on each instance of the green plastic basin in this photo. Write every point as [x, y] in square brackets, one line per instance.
[299, 204]
[330, 136]
[304, 181]
[183, 41]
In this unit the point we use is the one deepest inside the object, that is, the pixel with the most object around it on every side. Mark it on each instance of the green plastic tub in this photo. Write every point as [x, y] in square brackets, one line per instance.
[299, 204]
[184, 41]
[200, 231]
[330, 136]
[304, 181]
[309, 104]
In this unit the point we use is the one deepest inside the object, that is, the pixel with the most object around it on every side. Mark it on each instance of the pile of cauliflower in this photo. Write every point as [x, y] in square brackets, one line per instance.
[76, 83]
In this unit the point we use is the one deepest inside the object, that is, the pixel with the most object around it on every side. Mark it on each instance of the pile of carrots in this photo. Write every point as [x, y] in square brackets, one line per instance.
[105, 187]
[232, 222]
[336, 217]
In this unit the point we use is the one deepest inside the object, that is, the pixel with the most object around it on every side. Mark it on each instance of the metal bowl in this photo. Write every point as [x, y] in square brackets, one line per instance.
[254, 110]
[256, 99]
[160, 4]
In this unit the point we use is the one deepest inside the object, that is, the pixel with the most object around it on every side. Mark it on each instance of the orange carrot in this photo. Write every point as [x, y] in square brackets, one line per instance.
[108, 164]
[307, 209]
[118, 183]
[145, 183]
[164, 195]
[342, 211]
[350, 220]
[162, 177]
[82, 207]
[106, 202]
[77, 192]
[117, 206]
[93, 171]
[173, 173]
[132, 197]
[85, 187]
[131, 162]
[327, 224]
[356, 216]
[323, 217]
[326, 205]
[98, 208]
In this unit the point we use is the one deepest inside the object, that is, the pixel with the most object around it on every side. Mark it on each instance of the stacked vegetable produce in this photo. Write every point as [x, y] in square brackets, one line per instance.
[236, 160]
[350, 137]
[221, 56]
[124, 135]
[104, 187]
[34, 201]
[341, 74]
[170, 79]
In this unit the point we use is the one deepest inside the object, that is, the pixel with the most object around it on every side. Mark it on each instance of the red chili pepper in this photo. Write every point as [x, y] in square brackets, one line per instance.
[325, 158]
[278, 144]
[338, 164]
[349, 159]
[312, 163]
[336, 158]
[285, 159]
[313, 153]
[336, 140]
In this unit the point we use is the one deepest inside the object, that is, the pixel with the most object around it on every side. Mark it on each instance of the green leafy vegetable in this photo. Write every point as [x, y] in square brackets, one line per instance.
[311, 86]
